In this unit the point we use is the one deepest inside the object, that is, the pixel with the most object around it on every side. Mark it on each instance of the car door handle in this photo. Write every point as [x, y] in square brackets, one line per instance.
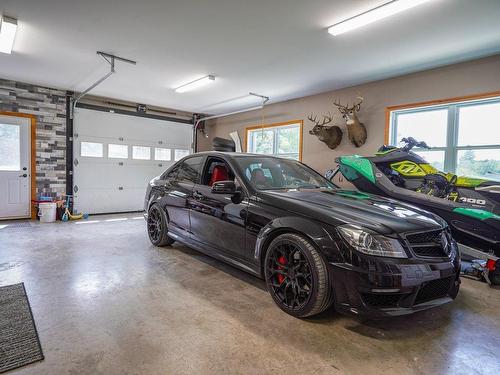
[197, 195]
[23, 175]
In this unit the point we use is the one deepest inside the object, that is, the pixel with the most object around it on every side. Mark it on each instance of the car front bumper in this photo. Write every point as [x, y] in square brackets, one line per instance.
[378, 287]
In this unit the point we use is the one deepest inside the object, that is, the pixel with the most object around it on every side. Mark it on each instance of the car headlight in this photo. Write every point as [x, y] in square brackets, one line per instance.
[371, 244]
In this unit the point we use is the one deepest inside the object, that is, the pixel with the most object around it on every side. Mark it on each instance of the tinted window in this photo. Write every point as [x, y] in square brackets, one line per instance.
[172, 174]
[224, 172]
[268, 173]
[190, 170]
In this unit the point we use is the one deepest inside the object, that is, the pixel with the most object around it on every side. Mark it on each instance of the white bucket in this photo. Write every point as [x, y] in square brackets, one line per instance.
[47, 212]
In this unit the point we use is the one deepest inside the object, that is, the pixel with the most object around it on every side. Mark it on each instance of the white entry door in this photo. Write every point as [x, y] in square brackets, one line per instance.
[15, 167]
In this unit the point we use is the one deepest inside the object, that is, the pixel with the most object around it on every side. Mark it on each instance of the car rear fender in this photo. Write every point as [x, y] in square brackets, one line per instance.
[319, 236]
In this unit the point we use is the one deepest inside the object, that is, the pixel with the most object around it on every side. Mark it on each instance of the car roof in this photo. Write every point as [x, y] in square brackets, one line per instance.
[233, 154]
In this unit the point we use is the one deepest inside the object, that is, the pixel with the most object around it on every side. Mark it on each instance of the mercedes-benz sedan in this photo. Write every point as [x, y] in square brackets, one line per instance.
[313, 243]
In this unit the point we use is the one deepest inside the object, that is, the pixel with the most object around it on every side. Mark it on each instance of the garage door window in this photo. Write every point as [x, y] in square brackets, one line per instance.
[117, 151]
[464, 136]
[179, 154]
[141, 153]
[91, 149]
[283, 139]
[163, 154]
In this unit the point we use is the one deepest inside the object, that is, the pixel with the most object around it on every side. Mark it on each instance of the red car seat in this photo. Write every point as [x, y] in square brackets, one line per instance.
[220, 173]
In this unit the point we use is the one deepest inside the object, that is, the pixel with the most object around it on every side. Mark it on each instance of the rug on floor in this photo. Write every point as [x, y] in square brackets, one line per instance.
[19, 342]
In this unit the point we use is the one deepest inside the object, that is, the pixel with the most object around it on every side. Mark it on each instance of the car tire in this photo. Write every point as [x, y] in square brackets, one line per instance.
[298, 282]
[157, 227]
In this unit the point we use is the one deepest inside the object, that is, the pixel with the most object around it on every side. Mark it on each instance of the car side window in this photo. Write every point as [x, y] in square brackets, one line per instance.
[172, 174]
[216, 170]
[190, 170]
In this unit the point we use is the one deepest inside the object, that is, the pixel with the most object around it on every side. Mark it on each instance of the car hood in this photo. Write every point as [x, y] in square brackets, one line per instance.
[336, 207]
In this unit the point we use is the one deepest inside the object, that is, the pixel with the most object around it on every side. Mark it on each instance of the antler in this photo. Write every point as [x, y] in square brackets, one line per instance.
[326, 119]
[358, 104]
[346, 108]
[340, 106]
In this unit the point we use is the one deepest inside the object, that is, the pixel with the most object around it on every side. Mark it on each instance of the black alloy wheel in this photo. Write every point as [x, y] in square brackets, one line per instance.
[157, 224]
[296, 276]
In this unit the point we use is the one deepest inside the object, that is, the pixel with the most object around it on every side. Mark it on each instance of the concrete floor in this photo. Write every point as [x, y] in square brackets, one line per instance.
[106, 301]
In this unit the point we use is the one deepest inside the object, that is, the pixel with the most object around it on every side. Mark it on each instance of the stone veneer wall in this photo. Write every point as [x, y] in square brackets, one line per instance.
[49, 107]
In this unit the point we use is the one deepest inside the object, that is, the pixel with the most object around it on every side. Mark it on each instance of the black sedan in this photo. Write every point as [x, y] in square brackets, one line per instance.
[314, 243]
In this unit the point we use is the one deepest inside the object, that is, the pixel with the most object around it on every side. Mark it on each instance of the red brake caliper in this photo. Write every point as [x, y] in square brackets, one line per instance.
[281, 260]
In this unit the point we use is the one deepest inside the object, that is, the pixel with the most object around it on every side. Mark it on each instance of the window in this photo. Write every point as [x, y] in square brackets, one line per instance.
[268, 173]
[10, 147]
[179, 154]
[464, 136]
[217, 170]
[190, 170]
[141, 153]
[91, 149]
[117, 151]
[284, 140]
[163, 154]
[172, 173]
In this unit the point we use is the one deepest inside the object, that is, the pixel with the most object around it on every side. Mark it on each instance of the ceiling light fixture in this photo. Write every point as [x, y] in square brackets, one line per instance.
[197, 83]
[373, 15]
[8, 27]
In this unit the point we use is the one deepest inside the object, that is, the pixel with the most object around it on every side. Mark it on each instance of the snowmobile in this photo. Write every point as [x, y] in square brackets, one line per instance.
[471, 206]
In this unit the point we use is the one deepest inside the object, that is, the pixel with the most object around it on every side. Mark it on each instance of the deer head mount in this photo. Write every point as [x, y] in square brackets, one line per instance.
[356, 130]
[331, 135]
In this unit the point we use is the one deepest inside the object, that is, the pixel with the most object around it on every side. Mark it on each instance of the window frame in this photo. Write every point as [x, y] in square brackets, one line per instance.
[453, 106]
[277, 125]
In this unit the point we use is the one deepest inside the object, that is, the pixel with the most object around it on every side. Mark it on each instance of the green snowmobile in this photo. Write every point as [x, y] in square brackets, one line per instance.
[471, 206]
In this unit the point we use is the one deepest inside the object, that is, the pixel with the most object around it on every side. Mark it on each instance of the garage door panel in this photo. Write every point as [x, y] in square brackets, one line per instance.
[105, 184]
[99, 201]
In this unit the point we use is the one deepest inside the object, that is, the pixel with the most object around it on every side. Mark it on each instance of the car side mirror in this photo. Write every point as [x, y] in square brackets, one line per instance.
[224, 187]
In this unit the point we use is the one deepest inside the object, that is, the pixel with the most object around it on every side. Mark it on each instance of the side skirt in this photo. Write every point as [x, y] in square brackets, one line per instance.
[215, 253]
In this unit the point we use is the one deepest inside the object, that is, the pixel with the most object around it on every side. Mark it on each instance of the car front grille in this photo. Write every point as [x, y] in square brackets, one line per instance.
[433, 290]
[381, 300]
[429, 244]
[429, 251]
[424, 237]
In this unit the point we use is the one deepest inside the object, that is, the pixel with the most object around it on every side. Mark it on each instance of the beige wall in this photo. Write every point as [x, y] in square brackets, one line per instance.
[475, 77]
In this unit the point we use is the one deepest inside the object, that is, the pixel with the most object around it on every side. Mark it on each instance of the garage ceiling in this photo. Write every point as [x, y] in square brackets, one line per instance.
[279, 48]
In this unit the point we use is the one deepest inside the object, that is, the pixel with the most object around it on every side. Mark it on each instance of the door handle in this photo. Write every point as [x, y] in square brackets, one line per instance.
[197, 195]
[23, 175]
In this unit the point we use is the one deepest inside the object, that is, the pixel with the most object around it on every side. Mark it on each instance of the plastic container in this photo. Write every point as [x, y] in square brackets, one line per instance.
[47, 212]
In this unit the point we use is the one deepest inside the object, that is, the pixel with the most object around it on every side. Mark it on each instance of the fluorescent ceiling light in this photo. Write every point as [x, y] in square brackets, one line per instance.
[373, 15]
[8, 27]
[195, 84]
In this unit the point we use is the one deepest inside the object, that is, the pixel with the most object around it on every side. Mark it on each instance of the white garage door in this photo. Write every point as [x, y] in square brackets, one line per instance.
[116, 155]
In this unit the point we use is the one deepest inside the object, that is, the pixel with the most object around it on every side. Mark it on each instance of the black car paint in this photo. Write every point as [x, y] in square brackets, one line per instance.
[237, 230]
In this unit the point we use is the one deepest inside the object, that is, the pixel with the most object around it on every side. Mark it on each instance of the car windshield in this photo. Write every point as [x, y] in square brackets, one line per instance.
[270, 173]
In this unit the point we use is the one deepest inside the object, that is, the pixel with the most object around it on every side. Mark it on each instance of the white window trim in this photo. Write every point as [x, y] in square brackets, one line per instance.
[451, 149]
[275, 128]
